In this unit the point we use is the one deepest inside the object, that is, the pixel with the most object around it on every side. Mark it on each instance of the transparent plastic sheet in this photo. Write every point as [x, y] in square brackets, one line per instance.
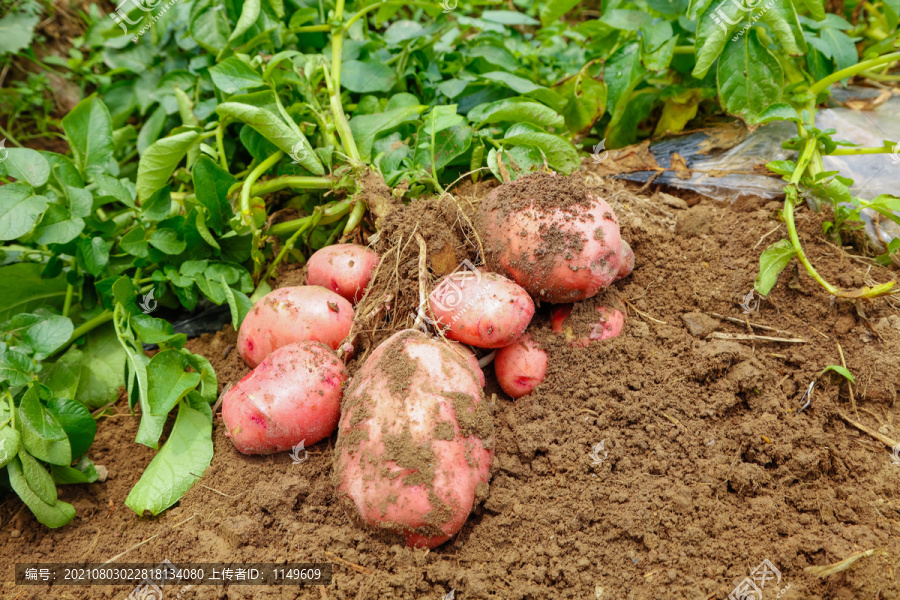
[740, 170]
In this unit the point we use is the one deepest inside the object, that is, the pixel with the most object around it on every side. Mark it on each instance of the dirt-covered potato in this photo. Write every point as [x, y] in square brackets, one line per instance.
[345, 269]
[293, 396]
[520, 367]
[481, 309]
[626, 261]
[552, 236]
[583, 329]
[293, 314]
[415, 441]
[469, 357]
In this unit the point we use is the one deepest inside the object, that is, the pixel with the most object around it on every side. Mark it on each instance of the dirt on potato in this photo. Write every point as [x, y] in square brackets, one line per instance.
[666, 463]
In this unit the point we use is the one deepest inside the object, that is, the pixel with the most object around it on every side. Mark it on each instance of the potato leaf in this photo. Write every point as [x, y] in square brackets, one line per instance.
[20, 210]
[42, 435]
[28, 166]
[168, 382]
[771, 263]
[560, 153]
[52, 515]
[88, 128]
[750, 78]
[76, 421]
[159, 161]
[30, 291]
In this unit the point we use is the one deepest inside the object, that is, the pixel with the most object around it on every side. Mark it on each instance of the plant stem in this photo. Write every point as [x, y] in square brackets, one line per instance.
[340, 119]
[333, 212]
[865, 65]
[360, 14]
[337, 45]
[220, 144]
[684, 49]
[70, 291]
[88, 326]
[291, 181]
[9, 137]
[246, 214]
[853, 151]
[311, 221]
[310, 29]
[791, 194]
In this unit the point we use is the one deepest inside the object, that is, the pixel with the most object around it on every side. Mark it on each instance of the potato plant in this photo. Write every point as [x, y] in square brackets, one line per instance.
[216, 141]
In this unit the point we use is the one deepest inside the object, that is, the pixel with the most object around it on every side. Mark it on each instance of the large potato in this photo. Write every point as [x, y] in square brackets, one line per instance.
[293, 396]
[293, 314]
[470, 359]
[520, 367]
[345, 269]
[552, 236]
[485, 310]
[415, 441]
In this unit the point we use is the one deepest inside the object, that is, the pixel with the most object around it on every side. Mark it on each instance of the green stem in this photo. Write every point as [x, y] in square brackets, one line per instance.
[105, 317]
[356, 215]
[340, 119]
[220, 144]
[246, 214]
[879, 76]
[865, 65]
[684, 49]
[311, 222]
[337, 45]
[291, 181]
[360, 14]
[333, 212]
[853, 151]
[12, 405]
[310, 29]
[9, 137]
[70, 291]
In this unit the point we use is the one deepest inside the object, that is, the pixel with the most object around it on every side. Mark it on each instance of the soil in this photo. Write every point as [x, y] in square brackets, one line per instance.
[658, 464]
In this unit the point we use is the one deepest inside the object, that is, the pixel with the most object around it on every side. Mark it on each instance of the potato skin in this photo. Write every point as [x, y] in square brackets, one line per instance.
[293, 314]
[293, 396]
[470, 359]
[345, 269]
[520, 367]
[557, 255]
[415, 441]
[481, 309]
[610, 324]
[626, 261]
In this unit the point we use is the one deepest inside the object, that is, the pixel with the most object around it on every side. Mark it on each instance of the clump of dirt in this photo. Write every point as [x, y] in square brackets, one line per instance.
[658, 464]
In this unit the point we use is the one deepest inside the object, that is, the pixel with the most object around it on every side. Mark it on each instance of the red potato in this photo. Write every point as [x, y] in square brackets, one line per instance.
[415, 441]
[481, 309]
[293, 396]
[626, 261]
[293, 314]
[470, 359]
[520, 367]
[345, 269]
[551, 236]
[609, 325]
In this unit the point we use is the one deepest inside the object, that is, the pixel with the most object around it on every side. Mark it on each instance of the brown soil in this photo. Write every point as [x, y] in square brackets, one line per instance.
[706, 467]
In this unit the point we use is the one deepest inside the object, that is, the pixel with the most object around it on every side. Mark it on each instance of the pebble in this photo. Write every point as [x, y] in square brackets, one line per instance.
[102, 473]
[15, 533]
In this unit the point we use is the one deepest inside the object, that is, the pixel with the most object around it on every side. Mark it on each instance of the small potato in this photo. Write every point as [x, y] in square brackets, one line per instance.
[520, 367]
[415, 441]
[481, 309]
[552, 236]
[626, 261]
[293, 396]
[293, 314]
[345, 269]
[470, 359]
[610, 324]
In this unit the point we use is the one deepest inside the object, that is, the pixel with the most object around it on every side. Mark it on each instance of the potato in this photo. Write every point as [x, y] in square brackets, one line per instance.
[626, 261]
[415, 441]
[481, 309]
[469, 357]
[293, 314]
[520, 367]
[552, 236]
[609, 325]
[345, 269]
[293, 396]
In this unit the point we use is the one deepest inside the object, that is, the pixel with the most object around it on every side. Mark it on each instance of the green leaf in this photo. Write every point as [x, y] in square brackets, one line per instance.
[263, 112]
[30, 291]
[47, 335]
[168, 382]
[28, 166]
[57, 226]
[527, 87]
[366, 127]
[88, 128]
[63, 375]
[83, 472]
[38, 478]
[249, 15]
[210, 29]
[518, 161]
[111, 188]
[159, 161]
[157, 206]
[211, 185]
[203, 230]
[151, 129]
[780, 111]
[516, 110]
[586, 102]
[42, 435]
[750, 78]
[17, 30]
[9, 441]
[836, 45]
[209, 389]
[782, 20]
[52, 515]
[550, 12]
[622, 74]
[233, 75]
[168, 241]
[182, 460]
[625, 19]
[102, 370]
[19, 210]
[76, 421]
[771, 263]
[508, 17]
[719, 22]
[816, 8]
[15, 367]
[842, 371]
[560, 153]
[150, 329]
[81, 201]
[239, 304]
[94, 254]
[448, 145]
[366, 77]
